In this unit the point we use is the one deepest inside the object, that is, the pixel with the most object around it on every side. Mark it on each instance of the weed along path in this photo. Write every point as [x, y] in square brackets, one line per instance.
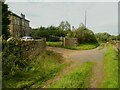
[79, 58]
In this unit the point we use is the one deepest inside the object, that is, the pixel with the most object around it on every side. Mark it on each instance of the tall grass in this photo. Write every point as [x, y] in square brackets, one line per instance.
[110, 69]
[54, 44]
[78, 78]
[84, 46]
[41, 68]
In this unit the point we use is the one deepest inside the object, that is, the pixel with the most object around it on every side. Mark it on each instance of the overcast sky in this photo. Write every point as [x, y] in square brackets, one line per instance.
[101, 16]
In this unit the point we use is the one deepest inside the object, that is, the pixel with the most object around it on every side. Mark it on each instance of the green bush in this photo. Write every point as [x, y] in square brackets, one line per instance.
[12, 59]
[39, 70]
[54, 44]
[85, 35]
[102, 37]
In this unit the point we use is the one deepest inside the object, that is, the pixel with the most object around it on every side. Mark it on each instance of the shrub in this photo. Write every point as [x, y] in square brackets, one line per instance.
[11, 57]
[102, 37]
[85, 36]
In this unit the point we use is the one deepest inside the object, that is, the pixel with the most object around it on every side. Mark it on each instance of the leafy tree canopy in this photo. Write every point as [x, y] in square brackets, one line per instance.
[51, 33]
[65, 25]
[84, 35]
[5, 21]
[102, 37]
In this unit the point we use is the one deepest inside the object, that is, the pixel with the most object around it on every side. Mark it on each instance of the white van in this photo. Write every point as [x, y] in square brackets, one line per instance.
[27, 38]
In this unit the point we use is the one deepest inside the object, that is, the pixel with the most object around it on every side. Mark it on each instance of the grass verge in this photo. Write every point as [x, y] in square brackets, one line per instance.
[41, 68]
[85, 46]
[102, 45]
[54, 44]
[78, 78]
[110, 69]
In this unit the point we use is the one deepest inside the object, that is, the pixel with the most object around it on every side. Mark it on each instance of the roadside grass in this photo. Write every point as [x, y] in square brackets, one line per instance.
[54, 44]
[101, 46]
[78, 78]
[40, 69]
[85, 46]
[110, 69]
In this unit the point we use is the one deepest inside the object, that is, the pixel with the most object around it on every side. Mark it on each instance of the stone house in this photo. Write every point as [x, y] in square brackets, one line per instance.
[19, 26]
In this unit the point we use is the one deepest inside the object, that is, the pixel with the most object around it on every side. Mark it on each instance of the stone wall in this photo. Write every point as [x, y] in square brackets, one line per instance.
[33, 48]
[70, 42]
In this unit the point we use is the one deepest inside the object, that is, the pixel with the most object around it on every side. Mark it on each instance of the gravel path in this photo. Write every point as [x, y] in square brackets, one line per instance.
[79, 56]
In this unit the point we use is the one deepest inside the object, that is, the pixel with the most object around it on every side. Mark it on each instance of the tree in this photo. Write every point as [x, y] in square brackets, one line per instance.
[118, 37]
[70, 34]
[5, 21]
[65, 26]
[51, 33]
[82, 26]
[85, 35]
[102, 37]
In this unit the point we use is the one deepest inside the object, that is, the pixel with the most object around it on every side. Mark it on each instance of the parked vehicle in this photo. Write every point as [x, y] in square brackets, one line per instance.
[27, 38]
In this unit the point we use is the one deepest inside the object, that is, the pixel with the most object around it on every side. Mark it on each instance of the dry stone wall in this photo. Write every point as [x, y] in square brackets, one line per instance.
[70, 42]
[33, 48]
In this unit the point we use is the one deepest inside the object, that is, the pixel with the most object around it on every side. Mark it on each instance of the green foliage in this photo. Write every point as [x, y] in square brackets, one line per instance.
[102, 45]
[70, 34]
[65, 26]
[102, 37]
[118, 37]
[85, 35]
[5, 21]
[112, 37]
[110, 69]
[85, 46]
[11, 57]
[54, 44]
[51, 33]
[39, 70]
[79, 78]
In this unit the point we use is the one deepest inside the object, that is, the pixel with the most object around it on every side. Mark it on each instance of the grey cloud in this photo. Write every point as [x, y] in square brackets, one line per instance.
[100, 16]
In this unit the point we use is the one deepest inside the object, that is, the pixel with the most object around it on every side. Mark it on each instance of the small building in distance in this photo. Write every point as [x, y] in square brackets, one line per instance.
[19, 25]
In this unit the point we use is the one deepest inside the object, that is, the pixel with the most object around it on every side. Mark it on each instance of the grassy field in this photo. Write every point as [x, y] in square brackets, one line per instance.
[40, 69]
[54, 44]
[79, 78]
[110, 69]
[86, 46]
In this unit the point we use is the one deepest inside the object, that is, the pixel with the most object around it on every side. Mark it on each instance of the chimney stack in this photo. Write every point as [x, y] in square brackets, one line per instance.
[23, 16]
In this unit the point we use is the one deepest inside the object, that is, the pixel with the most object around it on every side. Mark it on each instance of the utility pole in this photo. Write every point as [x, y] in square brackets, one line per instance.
[85, 17]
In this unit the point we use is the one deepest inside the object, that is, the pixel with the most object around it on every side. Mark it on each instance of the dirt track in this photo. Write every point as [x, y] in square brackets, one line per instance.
[80, 55]
[94, 55]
